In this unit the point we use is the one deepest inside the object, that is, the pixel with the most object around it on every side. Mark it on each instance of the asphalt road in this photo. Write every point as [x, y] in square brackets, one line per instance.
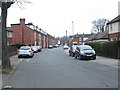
[53, 68]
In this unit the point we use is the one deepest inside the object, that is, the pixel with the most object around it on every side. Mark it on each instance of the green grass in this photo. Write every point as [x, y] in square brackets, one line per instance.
[6, 70]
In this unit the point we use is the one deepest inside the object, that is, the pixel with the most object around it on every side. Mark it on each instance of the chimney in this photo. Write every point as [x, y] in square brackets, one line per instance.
[119, 8]
[22, 21]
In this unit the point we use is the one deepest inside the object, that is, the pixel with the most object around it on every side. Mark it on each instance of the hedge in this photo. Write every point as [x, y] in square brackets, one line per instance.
[18, 45]
[107, 49]
[13, 48]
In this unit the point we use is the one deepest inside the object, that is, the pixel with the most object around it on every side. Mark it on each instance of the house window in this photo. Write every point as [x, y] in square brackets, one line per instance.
[119, 38]
[111, 27]
[9, 34]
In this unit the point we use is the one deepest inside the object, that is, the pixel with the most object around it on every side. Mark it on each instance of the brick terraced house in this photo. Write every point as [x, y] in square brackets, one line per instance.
[30, 35]
[114, 27]
[9, 36]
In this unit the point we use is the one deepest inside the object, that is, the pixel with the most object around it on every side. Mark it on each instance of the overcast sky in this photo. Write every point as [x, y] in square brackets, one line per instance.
[56, 16]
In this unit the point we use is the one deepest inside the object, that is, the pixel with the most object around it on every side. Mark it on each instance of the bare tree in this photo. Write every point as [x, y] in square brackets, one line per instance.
[4, 8]
[5, 56]
[100, 24]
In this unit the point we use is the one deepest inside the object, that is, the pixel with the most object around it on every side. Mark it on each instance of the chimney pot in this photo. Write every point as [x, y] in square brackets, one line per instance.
[22, 21]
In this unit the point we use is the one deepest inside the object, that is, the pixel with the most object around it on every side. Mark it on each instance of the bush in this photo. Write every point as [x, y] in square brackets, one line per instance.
[107, 49]
[18, 45]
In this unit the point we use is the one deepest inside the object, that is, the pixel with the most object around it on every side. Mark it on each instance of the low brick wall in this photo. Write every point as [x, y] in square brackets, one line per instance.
[12, 52]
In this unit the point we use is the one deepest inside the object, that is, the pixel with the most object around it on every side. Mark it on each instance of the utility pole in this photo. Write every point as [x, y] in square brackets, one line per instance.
[66, 36]
[83, 39]
[72, 27]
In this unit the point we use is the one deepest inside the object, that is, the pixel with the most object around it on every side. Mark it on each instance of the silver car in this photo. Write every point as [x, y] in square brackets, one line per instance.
[25, 51]
[35, 49]
[85, 52]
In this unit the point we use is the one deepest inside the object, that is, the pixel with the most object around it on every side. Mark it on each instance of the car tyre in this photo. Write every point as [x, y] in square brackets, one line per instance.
[94, 58]
[79, 57]
[69, 54]
[75, 56]
[19, 56]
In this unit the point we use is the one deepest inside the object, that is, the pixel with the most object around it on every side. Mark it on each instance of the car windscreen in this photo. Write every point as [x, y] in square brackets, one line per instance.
[85, 48]
[74, 47]
[34, 46]
[24, 48]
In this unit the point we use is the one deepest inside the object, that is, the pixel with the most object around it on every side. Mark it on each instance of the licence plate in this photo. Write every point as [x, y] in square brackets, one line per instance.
[89, 55]
[24, 55]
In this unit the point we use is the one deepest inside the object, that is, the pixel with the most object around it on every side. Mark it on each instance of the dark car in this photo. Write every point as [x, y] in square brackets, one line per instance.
[72, 50]
[85, 52]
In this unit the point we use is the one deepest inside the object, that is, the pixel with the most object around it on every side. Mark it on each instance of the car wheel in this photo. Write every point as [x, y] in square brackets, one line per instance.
[94, 58]
[75, 56]
[69, 54]
[79, 57]
[19, 56]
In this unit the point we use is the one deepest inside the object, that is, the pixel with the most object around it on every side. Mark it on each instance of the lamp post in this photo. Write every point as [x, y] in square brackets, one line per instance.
[66, 36]
[72, 27]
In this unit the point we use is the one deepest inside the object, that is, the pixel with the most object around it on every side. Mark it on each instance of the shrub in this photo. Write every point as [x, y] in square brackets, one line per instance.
[18, 45]
[107, 49]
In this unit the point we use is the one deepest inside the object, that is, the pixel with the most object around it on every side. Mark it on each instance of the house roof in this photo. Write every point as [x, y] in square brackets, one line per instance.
[117, 19]
[98, 36]
[80, 35]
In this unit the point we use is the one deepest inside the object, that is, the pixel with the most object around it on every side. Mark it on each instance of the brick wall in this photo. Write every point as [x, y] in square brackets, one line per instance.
[22, 34]
[114, 36]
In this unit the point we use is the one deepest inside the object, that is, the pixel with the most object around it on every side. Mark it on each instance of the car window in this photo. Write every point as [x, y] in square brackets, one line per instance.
[24, 48]
[78, 49]
[74, 47]
[86, 48]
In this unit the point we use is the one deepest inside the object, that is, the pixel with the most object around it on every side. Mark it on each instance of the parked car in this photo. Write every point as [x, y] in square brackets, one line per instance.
[50, 46]
[35, 49]
[65, 46]
[85, 52]
[55, 46]
[39, 48]
[25, 51]
[72, 50]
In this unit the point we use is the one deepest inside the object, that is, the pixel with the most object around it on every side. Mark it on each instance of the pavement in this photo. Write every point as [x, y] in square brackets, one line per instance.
[15, 62]
[5, 76]
[104, 60]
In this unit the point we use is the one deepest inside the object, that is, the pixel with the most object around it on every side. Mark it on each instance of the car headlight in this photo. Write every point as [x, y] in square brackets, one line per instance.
[94, 52]
[81, 52]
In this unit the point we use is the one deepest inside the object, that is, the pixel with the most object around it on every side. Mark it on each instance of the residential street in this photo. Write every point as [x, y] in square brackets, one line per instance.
[53, 68]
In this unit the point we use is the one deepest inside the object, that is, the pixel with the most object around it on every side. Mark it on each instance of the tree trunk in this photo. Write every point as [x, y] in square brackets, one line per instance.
[0, 38]
[5, 57]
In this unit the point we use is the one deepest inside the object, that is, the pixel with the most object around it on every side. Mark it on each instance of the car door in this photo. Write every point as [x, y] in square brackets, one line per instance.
[77, 51]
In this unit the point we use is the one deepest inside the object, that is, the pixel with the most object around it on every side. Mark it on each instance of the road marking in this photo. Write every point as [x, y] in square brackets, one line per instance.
[28, 60]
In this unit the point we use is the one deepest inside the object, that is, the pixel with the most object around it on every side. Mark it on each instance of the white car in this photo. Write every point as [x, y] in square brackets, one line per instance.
[25, 51]
[50, 46]
[39, 48]
[35, 48]
[65, 46]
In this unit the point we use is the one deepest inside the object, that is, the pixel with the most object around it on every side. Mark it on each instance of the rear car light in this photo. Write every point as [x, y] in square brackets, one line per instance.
[18, 51]
[30, 51]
